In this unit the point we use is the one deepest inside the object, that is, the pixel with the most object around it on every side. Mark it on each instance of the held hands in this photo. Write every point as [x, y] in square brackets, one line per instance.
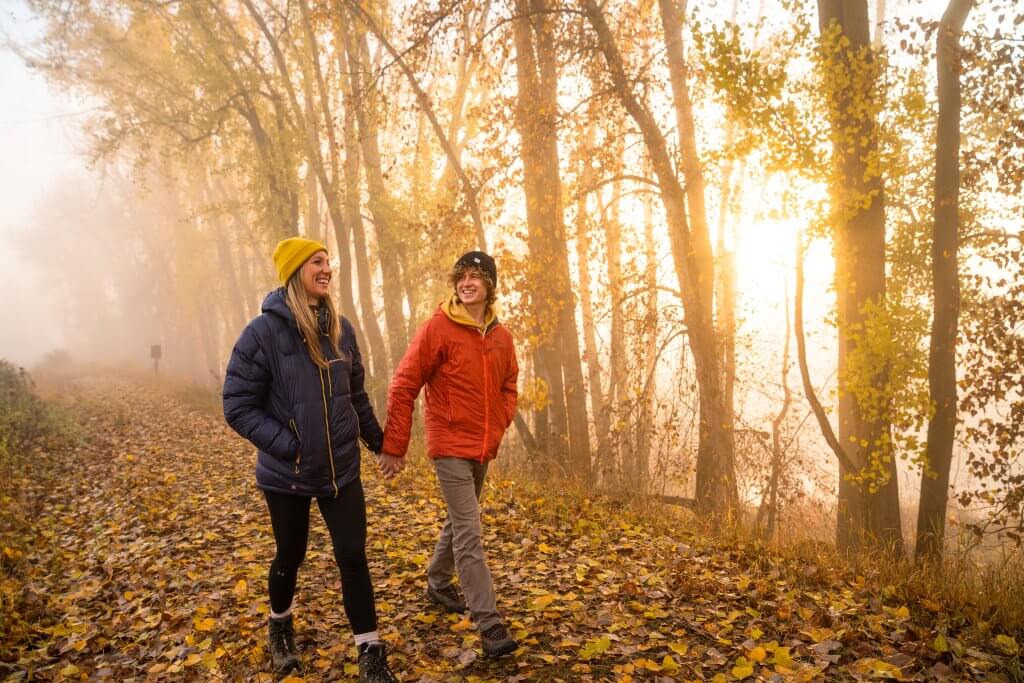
[390, 465]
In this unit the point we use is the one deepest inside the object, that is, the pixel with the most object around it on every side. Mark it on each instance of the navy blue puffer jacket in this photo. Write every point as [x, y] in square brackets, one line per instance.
[305, 421]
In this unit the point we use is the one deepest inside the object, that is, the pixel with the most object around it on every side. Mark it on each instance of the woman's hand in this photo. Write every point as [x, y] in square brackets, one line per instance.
[390, 465]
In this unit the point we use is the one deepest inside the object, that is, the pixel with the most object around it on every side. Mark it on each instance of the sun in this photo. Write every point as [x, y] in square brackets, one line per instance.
[765, 263]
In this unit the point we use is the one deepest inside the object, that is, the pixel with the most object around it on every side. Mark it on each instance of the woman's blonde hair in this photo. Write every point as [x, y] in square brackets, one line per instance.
[301, 306]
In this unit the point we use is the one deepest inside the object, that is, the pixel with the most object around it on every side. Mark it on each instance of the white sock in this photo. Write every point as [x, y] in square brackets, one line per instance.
[364, 638]
[283, 615]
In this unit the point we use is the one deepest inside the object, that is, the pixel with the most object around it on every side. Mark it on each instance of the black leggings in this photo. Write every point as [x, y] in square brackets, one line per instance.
[345, 516]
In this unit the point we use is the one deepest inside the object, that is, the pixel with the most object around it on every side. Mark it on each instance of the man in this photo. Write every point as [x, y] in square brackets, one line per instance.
[467, 360]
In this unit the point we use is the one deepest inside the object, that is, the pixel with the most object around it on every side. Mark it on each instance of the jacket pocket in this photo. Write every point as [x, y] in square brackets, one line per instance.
[298, 454]
[355, 419]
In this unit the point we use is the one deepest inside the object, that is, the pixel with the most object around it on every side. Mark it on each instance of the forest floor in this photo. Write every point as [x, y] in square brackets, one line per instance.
[142, 553]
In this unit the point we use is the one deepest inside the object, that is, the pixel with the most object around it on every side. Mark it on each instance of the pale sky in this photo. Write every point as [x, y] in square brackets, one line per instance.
[39, 138]
[41, 143]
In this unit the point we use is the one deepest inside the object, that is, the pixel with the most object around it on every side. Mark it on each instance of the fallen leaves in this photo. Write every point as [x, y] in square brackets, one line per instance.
[542, 602]
[595, 647]
[150, 563]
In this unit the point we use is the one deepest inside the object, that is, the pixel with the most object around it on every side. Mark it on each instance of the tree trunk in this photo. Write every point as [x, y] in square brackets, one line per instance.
[859, 205]
[879, 23]
[931, 515]
[712, 463]
[616, 394]
[649, 354]
[204, 374]
[725, 301]
[598, 406]
[536, 114]
[691, 251]
[249, 292]
[313, 221]
[725, 280]
[236, 315]
[778, 452]
[381, 368]
[380, 203]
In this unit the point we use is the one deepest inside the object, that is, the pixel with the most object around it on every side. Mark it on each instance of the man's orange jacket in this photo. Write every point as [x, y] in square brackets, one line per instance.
[470, 372]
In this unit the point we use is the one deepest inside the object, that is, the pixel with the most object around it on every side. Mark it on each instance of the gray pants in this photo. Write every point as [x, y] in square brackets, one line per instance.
[460, 547]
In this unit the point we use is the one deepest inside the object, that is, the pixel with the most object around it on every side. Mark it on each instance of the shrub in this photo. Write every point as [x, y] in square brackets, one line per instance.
[26, 421]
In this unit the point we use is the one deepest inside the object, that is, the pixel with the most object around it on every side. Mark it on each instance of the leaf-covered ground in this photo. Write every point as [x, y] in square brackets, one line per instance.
[142, 555]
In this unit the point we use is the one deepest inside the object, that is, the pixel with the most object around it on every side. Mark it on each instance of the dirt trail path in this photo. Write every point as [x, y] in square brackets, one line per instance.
[146, 552]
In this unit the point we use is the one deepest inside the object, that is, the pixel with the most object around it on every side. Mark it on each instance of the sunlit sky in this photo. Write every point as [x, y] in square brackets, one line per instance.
[40, 142]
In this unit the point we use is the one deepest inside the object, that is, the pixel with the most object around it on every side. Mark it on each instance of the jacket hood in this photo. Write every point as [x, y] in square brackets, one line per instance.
[457, 313]
[276, 304]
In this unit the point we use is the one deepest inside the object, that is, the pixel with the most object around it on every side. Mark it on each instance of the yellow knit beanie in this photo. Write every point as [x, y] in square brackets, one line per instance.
[291, 253]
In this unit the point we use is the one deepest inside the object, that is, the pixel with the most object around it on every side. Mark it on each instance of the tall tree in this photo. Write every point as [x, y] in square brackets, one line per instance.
[715, 467]
[598, 404]
[382, 206]
[536, 118]
[868, 510]
[354, 217]
[931, 513]
[694, 264]
[647, 355]
[616, 394]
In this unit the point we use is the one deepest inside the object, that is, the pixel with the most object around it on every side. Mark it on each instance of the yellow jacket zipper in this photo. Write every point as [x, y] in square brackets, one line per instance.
[298, 455]
[327, 427]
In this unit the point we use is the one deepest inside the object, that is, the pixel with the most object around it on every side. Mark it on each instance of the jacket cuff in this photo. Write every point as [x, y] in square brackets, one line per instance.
[375, 446]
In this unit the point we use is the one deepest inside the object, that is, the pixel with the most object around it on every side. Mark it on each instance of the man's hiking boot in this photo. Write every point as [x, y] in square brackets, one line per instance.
[497, 641]
[373, 664]
[283, 655]
[447, 597]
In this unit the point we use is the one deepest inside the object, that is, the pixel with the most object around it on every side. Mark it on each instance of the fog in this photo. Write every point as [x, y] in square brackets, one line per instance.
[144, 214]
[42, 145]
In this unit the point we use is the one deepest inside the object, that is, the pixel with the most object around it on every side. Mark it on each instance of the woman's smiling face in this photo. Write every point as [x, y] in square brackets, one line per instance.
[316, 276]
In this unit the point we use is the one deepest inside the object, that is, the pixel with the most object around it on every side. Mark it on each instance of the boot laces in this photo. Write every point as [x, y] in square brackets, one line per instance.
[496, 632]
[376, 665]
[449, 592]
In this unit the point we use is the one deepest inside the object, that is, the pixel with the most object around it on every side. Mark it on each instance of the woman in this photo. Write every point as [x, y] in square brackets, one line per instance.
[294, 388]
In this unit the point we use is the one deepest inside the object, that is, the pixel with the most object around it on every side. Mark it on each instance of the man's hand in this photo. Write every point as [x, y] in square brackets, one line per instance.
[390, 465]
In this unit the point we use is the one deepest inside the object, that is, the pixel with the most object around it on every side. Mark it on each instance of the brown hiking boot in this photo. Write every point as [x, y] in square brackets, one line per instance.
[447, 597]
[497, 641]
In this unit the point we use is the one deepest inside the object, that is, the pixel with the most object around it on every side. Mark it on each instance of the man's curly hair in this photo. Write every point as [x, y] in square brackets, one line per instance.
[461, 269]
